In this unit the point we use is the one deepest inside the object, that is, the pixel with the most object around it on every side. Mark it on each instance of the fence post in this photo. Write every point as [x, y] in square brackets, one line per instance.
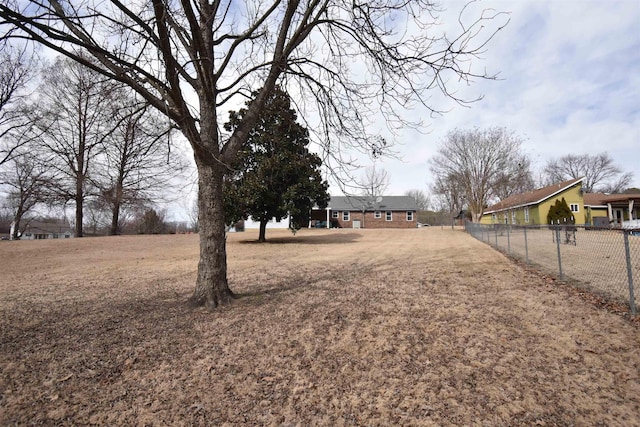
[526, 246]
[627, 252]
[495, 229]
[508, 240]
[558, 247]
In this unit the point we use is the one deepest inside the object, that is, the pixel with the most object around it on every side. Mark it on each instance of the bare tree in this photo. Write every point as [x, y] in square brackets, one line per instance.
[16, 69]
[25, 178]
[421, 198]
[136, 164]
[450, 198]
[96, 216]
[599, 172]
[374, 182]
[515, 179]
[192, 213]
[195, 60]
[75, 106]
[475, 162]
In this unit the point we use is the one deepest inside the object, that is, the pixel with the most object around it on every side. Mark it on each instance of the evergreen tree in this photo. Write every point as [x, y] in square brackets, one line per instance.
[276, 175]
[152, 222]
[560, 213]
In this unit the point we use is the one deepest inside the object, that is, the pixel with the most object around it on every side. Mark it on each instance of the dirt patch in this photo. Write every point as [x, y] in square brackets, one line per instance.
[333, 327]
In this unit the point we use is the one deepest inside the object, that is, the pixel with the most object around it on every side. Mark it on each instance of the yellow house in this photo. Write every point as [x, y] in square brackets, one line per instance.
[532, 207]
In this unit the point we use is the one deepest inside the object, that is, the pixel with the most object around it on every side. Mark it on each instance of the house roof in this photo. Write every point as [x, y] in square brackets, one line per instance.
[386, 203]
[595, 199]
[601, 199]
[532, 197]
[47, 227]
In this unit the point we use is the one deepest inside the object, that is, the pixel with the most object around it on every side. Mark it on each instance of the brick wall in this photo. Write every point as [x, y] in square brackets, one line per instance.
[398, 220]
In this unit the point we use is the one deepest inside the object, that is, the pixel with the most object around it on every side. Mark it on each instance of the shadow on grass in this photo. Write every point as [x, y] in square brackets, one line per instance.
[309, 240]
[301, 282]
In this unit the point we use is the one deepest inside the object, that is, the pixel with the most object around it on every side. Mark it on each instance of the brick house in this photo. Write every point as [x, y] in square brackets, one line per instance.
[363, 212]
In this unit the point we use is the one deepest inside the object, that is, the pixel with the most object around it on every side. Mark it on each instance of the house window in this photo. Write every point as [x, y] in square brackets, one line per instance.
[409, 216]
[389, 216]
[494, 218]
[526, 214]
[574, 207]
[377, 214]
[345, 216]
[513, 217]
[334, 214]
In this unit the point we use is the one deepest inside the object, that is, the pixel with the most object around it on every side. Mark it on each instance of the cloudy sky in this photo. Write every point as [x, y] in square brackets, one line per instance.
[569, 83]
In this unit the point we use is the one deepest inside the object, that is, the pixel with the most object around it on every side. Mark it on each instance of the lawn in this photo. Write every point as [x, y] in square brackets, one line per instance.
[332, 327]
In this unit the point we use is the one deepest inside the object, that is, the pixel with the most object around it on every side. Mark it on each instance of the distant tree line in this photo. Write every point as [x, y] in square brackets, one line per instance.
[72, 140]
[88, 144]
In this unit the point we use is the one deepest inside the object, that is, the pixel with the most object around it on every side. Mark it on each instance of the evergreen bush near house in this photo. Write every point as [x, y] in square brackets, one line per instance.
[560, 213]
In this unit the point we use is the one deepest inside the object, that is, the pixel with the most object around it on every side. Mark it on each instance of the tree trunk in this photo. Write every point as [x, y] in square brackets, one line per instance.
[263, 231]
[16, 228]
[117, 202]
[212, 288]
[115, 218]
[79, 215]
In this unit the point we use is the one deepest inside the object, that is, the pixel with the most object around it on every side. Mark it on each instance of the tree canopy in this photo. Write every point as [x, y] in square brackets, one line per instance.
[276, 175]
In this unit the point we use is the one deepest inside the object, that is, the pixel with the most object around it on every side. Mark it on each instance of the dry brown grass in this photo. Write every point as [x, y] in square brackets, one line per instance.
[333, 327]
[597, 260]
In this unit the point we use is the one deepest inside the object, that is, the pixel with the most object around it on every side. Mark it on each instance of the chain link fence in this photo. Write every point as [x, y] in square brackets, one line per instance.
[603, 261]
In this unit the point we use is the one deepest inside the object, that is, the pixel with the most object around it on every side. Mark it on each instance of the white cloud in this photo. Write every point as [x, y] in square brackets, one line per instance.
[570, 83]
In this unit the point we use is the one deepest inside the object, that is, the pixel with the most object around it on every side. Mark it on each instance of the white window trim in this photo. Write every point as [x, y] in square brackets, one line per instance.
[377, 214]
[513, 216]
[526, 214]
[388, 216]
[335, 215]
[346, 216]
[577, 206]
[409, 215]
